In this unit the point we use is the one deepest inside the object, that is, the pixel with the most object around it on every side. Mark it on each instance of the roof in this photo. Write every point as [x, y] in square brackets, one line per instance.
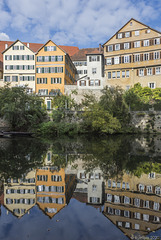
[71, 50]
[126, 24]
[81, 55]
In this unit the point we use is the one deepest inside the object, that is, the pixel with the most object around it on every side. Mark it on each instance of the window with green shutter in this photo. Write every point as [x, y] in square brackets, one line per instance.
[45, 49]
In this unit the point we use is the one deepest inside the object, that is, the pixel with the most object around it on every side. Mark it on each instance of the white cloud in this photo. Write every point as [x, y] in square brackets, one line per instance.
[4, 37]
[80, 22]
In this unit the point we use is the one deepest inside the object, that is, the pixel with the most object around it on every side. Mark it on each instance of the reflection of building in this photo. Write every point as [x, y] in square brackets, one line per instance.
[19, 194]
[90, 184]
[50, 183]
[134, 204]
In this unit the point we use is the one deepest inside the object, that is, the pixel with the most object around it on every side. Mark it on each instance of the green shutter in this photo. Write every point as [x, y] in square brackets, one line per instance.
[55, 69]
[18, 57]
[37, 59]
[36, 70]
[46, 80]
[37, 80]
[45, 49]
[27, 57]
[56, 58]
[49, 58]
[49, 70]
[22, 57]
[60, 80]
[62, 69]
[16, 78]
[5, 78]
[51, 80]
[42, 70]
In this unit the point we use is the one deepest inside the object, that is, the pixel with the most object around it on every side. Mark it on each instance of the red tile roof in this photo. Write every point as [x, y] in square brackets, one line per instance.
[81, 54]
[69, 49]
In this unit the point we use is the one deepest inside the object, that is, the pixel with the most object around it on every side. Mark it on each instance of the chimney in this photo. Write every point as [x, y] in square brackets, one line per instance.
[6, 45]
[28, 45]
[100, 48]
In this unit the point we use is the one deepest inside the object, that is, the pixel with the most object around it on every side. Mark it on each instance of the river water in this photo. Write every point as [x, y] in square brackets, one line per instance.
[82, 188]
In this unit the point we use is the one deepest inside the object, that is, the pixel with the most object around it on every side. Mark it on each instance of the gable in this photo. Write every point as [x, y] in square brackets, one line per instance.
[50, 48]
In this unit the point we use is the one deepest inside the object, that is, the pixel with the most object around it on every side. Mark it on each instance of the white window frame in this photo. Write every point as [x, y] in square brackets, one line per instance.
[108, 61]
[116, 60]
[146, 43]
[137, 33]
[119, 35]
[126, 45]
[127, 34]
[156, 41]
[136, 44]
[146, 56]
[123, 74]
[117, 47]
[141, 72]
[149, 71]
[157, 70]
[152, 85]
[156, 55]
[127, 73]
[94, 70]
[110, 48]
[126, 59]
[113, 74]
[118, 74]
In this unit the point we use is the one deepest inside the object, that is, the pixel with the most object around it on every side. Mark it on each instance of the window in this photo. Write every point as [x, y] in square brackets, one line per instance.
[151, 175]
[157, 190]
[127, 73]
[123, 74]
[119, 35]
[156, 206]
[46, 58]
[117, 212]
[146, 56]
[146, 43]
[117, 47]
[136, 44]
[126, 45]
[108, 61]
[157, 70]
[137, 202]
[126, 200]
[8, 57]
[82, 83]
[118, 184]
[116, 60]
[126, 213]
[14, 78]
[156, 41]
[137, 33]
[137, 215]
[126, 59]
[110, 210]
[49, 105]
[94, 188]
[109, 75]
[43, 91]
[123, 185]
[141, 72]
[110, 48]
[41, 80]
[50, 48]
[97, 82]
[94, 71]
[113, 184]
[116, 199]
[113, 74]
[118, 74]
[137, 226]
[109, 183]
[149, 189]
[151, 85]
[145, 217]
[109, 198]
[156, 55]
[146, 204]
[55, 80]
[149, 71]
[7, 78]
[85, 71]
[127, 87]
[22, 47]
[127, 34]
[15, 47]
[91, 83]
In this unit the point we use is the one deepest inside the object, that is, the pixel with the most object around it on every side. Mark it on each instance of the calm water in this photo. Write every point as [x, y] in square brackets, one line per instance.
[81, 189]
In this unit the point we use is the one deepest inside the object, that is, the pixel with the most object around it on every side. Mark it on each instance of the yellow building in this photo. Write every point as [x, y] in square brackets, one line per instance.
[133, 55]
[134, 204]
[54, 70]
[50, 183]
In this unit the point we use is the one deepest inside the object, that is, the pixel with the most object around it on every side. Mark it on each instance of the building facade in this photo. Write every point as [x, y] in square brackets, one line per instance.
[19, 66]
[133, 55]
[54, 70]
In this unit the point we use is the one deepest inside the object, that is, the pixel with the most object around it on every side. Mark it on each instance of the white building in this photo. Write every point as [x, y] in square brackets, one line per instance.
[19, 66]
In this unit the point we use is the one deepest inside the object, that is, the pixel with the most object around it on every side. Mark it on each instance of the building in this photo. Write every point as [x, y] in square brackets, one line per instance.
[133, 204]
[20, 194]
[6, 44]
[132, 55]
[54, 70]
[89, 63]
[19, 66]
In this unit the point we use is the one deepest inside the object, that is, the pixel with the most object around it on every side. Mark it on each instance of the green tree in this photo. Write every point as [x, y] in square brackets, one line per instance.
[23, 111]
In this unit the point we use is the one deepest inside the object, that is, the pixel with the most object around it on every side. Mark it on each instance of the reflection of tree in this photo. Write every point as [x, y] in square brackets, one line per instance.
[19, 155]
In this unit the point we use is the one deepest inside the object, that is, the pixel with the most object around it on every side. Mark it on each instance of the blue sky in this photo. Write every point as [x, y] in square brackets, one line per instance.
[82, 23]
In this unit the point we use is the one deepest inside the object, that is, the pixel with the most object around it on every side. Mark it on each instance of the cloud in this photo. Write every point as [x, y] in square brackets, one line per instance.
[83, 23]
[4, 37]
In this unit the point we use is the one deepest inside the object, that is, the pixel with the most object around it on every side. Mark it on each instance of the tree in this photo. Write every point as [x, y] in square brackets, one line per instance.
[23, 111]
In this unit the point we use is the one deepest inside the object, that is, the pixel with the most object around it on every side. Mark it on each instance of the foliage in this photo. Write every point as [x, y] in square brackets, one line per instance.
[23, 111]
[143, 98]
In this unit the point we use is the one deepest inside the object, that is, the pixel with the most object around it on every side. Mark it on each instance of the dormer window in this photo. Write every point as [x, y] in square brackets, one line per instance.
[130, 23]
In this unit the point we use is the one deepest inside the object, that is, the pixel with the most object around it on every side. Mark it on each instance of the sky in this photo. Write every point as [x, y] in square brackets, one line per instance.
[81, 23]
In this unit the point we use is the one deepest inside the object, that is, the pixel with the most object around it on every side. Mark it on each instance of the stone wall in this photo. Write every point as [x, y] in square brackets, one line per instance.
[147, 120]
[77, 93]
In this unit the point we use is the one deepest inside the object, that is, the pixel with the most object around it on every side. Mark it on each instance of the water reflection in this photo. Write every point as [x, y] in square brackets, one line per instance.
[123, 183]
